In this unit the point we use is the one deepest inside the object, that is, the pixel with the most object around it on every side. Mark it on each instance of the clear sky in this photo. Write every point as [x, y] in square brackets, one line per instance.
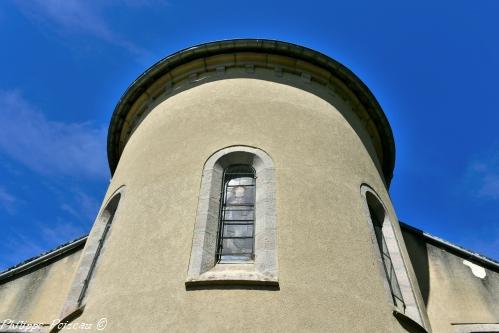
[433, 67]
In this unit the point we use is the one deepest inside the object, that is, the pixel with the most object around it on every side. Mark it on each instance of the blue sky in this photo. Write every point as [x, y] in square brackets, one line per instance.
[64, 64]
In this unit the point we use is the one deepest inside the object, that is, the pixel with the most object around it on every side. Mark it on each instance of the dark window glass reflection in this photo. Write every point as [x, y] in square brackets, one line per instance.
[237, 215]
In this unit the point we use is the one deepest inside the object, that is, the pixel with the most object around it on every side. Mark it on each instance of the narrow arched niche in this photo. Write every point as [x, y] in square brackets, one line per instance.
[75, 300]
[386, 247]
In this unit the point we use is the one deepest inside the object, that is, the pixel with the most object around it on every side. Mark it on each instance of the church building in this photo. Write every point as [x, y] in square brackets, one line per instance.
[249, 193]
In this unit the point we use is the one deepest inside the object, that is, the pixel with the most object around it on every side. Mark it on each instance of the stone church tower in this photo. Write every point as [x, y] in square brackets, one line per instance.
[250, 194]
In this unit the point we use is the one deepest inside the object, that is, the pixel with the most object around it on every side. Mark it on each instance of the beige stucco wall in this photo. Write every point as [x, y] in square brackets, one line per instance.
[329, 277]
[37, 297]
[452, 293]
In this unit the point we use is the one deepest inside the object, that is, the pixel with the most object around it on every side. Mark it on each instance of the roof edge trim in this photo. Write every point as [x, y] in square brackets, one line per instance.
[42, 258]
[456, 249]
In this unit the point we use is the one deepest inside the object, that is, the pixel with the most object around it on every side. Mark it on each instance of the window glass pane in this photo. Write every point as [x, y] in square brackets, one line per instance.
[241, 181]
[238, 230]
[236, 239]
[384, 248]
[240, 195]
[388, 266]
[374, 218]
[237, 246]
[235, 258]
[395, 285]
[379, 236]
[239, 213]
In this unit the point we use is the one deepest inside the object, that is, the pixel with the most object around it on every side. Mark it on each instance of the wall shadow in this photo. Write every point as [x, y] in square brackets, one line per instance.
[418, 253]
[408, 324]
[67, 320]
[234, 286]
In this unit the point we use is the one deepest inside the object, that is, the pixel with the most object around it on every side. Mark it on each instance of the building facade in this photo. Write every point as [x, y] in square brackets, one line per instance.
[250, 193]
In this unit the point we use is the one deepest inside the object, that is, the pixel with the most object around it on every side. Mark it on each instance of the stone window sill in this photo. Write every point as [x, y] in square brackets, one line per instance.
[475, 327]
[233, 274]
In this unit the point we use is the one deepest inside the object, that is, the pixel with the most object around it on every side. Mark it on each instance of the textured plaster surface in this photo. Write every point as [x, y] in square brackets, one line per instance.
[453, 293]
[320, 163]
[37, 296]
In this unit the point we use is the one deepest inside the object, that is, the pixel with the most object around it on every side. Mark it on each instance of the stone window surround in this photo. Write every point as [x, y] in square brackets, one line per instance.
[203, 268]
[74, 303]
[412, 310]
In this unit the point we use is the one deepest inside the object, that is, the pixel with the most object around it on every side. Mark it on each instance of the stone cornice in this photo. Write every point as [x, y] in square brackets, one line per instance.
[193, 65]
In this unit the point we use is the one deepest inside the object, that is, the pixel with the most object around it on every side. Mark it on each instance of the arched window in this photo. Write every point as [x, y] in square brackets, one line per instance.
[377, 214]
[106, 220]
[236, 230]
[392, 264]
[235, 233]
[92, 251]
